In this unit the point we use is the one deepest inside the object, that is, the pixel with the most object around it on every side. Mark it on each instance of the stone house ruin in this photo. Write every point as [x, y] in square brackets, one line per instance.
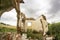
[39, 24]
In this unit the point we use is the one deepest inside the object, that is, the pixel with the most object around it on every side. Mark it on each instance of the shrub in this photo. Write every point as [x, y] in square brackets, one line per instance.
[54, 29]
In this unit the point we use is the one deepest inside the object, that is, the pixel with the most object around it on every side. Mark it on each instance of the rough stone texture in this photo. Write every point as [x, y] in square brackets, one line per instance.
[12, 36]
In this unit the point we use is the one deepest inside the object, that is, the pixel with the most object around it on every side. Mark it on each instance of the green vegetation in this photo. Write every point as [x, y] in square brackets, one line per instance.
[7, 28]
[54, 29]
[34, 34]
[4, 29]
[5, 4]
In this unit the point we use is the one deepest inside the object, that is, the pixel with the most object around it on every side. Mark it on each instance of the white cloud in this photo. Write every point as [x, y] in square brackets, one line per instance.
[31, 8]
[9, 17]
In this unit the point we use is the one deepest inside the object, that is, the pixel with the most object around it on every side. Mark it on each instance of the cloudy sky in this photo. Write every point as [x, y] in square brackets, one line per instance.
[35, 8]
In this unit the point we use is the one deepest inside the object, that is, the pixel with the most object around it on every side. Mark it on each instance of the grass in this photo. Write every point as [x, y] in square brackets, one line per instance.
[7, 28]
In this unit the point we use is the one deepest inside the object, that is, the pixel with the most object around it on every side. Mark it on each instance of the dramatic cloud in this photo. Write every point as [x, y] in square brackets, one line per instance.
[38, 7]
[54, 11]
[55, 6]
[35, 8]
